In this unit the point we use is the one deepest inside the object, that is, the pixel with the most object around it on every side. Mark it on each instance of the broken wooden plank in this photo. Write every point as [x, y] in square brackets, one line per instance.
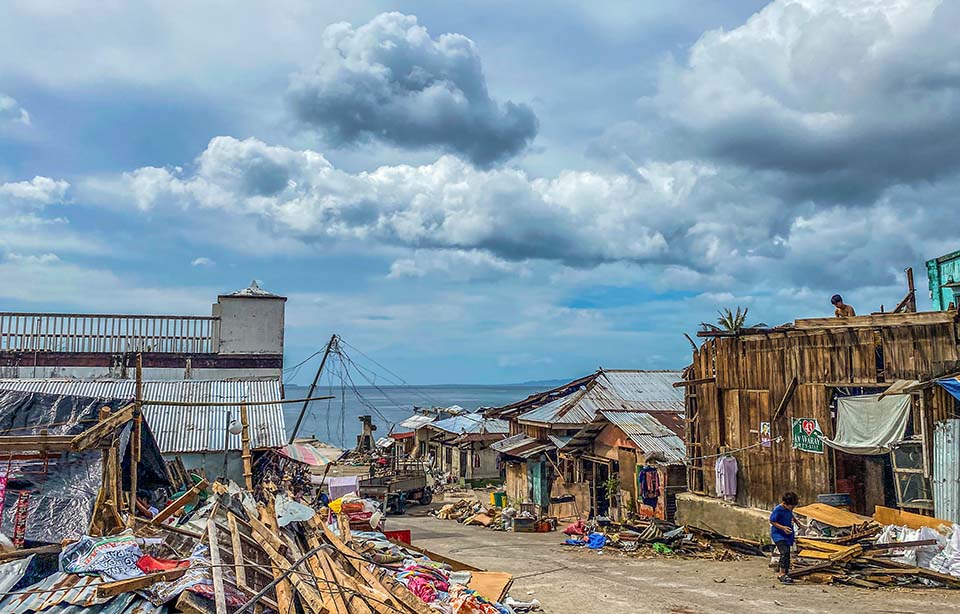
[351, 557]
[785, 400]
[111, 589]
[284, 588]
[179, 503]
[91, 437]
[239, 570]
[216, 569]
[888, 515]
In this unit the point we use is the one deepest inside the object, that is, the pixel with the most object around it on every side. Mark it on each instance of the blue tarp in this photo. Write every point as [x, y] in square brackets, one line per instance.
[951, 385]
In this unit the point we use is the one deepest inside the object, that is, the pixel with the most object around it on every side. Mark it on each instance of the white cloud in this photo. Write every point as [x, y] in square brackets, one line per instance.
[700, 225]
[11, 112]
[389, 80]
[39, 189]
[202, 261]
[858, 94]
[47, 280]
[460, 265]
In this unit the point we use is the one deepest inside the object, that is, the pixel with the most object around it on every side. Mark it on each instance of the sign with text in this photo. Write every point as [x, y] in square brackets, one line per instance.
[807, 435]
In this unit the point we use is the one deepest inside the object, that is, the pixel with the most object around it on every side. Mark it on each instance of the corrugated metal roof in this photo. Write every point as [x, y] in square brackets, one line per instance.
[522, 446]
[185, 429]
[471, 423]
[650, 435]
[416, 421]
[612, 390]
[63, 593]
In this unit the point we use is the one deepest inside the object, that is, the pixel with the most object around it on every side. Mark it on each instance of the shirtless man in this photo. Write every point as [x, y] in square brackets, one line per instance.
[842, 310]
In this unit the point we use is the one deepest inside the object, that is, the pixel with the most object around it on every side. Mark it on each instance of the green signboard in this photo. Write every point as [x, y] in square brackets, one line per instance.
[807, 435]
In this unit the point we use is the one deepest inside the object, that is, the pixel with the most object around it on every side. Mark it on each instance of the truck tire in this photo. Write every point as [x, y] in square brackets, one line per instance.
[426, 497]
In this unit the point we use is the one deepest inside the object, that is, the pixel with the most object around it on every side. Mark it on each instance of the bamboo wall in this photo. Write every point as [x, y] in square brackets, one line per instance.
[752, 373]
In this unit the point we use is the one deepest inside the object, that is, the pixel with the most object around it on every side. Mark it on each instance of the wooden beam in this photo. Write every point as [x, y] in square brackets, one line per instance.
[231, 403]
[351, 557]
[879, 320]
[265, 531]
[245, 448]
[91, 437]
[111, 589]
[42, 443]
[282, 564]
[239, 569]
[694, 382]
[791, 388]
[25, 552]
[216, 570]
[135, 441]
[181, 501]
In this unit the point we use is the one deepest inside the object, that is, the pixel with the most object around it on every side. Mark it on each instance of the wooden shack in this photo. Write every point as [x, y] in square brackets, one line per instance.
[744, 390]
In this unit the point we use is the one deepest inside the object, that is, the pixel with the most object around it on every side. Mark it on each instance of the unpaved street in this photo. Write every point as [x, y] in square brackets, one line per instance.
[582, 581]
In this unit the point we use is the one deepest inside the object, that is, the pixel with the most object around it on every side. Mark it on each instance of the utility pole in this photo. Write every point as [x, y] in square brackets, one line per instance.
[316, 378]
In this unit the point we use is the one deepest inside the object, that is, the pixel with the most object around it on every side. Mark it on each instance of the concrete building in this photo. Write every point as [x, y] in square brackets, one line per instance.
[241, 339]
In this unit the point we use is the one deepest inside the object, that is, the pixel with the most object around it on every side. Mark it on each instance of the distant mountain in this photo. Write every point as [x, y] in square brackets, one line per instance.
[544, 383]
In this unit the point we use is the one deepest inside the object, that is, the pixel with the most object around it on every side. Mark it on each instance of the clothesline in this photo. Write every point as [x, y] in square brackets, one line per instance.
[687, 461]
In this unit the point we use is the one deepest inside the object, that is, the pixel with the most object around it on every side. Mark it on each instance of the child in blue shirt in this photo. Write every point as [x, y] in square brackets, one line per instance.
[781, 533]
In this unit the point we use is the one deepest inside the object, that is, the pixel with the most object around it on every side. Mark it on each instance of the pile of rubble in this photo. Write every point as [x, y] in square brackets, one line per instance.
[840, 547]
[656, 537]
[236, 551]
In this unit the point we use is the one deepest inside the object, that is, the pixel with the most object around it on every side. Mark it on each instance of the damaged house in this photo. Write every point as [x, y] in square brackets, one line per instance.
[859, 411]
[605, 444]
[67, 463]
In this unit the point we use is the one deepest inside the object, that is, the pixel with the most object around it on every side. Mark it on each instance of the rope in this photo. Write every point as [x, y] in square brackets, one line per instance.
[687, 461]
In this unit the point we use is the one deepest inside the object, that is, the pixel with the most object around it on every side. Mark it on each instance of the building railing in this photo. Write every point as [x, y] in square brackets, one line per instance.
[113, 334]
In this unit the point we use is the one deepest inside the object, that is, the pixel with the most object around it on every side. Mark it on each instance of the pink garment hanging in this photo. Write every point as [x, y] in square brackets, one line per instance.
[727, 478]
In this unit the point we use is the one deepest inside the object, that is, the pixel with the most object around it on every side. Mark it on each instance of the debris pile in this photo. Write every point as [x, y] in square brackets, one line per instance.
[844, 548]
[661, 538]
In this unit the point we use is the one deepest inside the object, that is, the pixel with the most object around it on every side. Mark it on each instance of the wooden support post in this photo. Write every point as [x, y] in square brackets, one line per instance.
[135, 441]
[246, 455]
[216, 570]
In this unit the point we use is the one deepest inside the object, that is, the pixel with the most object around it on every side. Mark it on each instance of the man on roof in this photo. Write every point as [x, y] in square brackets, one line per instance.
[842, 309]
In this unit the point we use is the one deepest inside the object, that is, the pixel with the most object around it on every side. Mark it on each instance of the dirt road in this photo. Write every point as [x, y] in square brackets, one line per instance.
[610, 582]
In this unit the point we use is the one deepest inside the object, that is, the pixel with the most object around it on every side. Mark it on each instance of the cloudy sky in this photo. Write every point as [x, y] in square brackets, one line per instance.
[479, 192]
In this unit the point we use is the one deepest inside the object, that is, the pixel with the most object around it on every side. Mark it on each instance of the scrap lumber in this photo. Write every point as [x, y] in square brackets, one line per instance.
[215, 567]
[786, 398]
[383, 593]
[30, 443]
[111, 589]
[888, 515]
[107, 426]
[923, 572]
[404, 596]
[239, 570]
[281, 564]
[181, 501]
[266, 532]
[25, 552]
[830, 515]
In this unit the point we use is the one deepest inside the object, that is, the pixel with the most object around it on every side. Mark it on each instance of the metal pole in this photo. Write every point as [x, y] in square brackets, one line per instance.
[313, 386]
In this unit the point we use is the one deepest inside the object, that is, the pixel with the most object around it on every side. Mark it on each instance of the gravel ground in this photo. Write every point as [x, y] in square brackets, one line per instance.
[567, 580]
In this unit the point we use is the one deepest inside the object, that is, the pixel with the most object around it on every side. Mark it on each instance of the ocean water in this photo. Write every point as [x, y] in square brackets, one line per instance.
[335, 421]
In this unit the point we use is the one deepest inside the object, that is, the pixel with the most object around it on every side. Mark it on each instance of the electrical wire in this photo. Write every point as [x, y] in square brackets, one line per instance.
[423, 394]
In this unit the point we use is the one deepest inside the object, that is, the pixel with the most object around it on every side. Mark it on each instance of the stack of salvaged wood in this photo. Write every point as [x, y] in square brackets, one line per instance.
[842, 547]
[865, 565]
[685, 541]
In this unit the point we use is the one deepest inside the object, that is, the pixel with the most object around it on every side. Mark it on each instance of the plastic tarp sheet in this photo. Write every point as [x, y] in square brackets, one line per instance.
[868, 424]
[951, 385]
[62, 488]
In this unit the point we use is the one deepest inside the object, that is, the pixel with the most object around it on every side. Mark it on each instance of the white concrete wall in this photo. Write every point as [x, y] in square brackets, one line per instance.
[250, 325]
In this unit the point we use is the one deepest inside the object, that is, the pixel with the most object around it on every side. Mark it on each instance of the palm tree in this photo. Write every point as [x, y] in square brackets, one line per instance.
[732, 321]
